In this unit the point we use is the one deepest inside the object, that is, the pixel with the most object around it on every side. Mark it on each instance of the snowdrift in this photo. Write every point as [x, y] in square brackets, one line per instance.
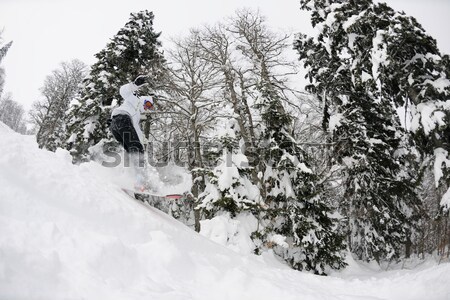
[69, 232]
[5, 128]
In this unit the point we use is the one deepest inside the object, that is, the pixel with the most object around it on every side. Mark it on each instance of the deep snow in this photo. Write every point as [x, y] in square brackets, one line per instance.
[69, 232]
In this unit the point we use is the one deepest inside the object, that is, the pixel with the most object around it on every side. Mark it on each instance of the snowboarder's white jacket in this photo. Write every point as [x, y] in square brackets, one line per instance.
[132, 106]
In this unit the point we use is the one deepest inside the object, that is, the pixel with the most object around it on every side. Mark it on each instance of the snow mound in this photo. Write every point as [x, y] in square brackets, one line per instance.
[69, 232]
[5, 128]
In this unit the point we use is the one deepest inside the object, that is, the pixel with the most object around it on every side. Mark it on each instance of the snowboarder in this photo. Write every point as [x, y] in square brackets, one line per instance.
[125, 126]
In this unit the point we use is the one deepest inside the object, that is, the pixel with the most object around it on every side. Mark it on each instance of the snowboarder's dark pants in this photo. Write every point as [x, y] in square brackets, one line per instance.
[124, 132]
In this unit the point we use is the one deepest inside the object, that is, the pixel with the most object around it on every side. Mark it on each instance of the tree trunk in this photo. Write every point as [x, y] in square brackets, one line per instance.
[194, 163]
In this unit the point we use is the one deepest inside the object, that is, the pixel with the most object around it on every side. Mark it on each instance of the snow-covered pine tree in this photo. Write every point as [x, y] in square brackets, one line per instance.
[229, 187]
[417, 76]
[348, 66]
[3, 50]
[133, 51]
[49, 114]
[296, 220]
[295, 207]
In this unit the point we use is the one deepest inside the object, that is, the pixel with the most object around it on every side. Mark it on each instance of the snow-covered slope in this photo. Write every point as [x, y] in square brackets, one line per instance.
[69, 232]
[5, 128]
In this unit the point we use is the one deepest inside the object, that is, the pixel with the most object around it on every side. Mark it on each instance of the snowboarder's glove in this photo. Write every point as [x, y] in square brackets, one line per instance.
[140, 80]
[108, 122]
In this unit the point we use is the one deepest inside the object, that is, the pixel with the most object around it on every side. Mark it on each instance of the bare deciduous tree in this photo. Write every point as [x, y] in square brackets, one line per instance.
[48, 114]
[191, 108]
[12, 114]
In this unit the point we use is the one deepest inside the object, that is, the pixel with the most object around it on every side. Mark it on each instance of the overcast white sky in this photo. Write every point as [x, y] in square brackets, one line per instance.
[47, 32]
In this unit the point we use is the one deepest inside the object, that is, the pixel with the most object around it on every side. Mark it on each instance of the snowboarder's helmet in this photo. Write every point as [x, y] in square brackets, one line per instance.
[148, 103]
